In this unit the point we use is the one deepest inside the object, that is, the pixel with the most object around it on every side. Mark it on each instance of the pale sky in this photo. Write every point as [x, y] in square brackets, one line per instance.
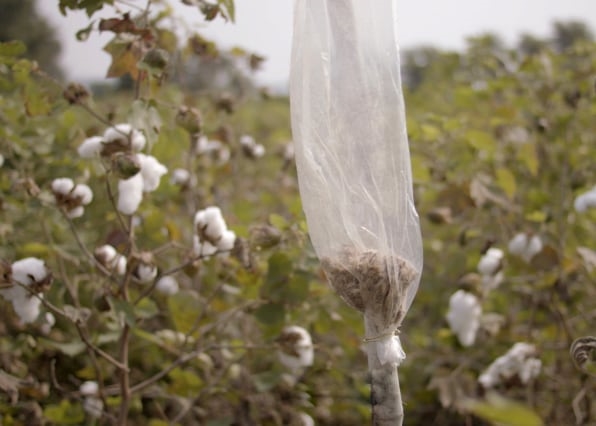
[265, 26]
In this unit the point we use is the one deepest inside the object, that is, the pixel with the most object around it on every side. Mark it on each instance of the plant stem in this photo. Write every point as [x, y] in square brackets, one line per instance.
[385, 394]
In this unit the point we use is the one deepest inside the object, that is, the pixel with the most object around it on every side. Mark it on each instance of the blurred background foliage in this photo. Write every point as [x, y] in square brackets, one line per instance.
[502, 140]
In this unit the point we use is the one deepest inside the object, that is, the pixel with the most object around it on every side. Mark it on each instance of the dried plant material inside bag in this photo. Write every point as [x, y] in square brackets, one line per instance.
[353, 161]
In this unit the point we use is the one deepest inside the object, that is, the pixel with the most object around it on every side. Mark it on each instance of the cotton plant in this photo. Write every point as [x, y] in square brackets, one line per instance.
[464, 316]
[521, 362]
[525, 245]
[71, 197]
[25, 282]
[585, 201]
[296, 351]
[139, 173]
[211, 233]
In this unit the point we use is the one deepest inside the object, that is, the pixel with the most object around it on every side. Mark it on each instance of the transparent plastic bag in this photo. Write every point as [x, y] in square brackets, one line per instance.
[353, 161]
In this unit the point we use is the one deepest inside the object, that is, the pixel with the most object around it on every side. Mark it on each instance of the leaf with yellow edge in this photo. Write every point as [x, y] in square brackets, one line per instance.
[125, 55]
[503, 412]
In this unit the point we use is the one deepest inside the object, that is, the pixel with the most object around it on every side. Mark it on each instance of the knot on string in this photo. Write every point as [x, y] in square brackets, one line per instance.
[387, 347]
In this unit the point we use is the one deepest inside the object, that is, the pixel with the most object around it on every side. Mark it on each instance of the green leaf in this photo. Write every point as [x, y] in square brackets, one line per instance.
[527, 154]
[12, 48]
[506, 181]
[146, 309]
[278, 275]
[125, 309]
[267, 380]
[71, 349]
[278, 221]
[83, 33]
[536, 216]
[184, 383]
[272, 314]
[65, 413]
[229, 9]
[482, 141]
[184, 309]
[504, 412]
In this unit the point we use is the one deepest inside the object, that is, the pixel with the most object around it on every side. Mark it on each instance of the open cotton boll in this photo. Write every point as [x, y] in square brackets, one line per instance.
[151, 171]
[62, 186]
[585, 201]
[91, 147]
[180, 177]
[525, 246]
[130, 194]
[75, 212]
[29, 271]
[520, 361]
[305, 419]
[464, 316]
[27, 307]
[93, 406]
[247, 141]
[126, 135]
[203, 248]
[491, 262]
[89, 388]
[210, 224]
[296, 349]
[83, 193]
[167, 285]
[146, 273]
[110, 259]
[227, 240]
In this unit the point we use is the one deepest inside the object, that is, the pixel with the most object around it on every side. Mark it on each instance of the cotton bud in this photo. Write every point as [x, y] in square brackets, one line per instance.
[71, 197]
[125, 164]
[156, 59]
[491, 262]
[264, 236]
[75, 93]
[144, 268]
[525, 245]
[464, 316]
[585, 201]
[520, 362]
[167, 285]
[110, 259]
[189, 119]
[295, 348]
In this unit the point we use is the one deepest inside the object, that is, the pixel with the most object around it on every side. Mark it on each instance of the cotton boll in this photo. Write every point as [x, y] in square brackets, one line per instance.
[492, 282]
[585, 201]
[167, 285]
[520, 361]
[227, 240]
[91, 147]
[247, 141]
[210, 223]
[180, 177]
[75, 212]
[49, 320]
[306, 420]
[491, 262]
[296, 349]
[125, 135]
[26, 306]
[146, 273]
[29, 271]
[93, 406]
[525, 246]
[464, 316]
[107, 256]
[203, 248]
[62, 186]
[89, 388]
[258, 151]
[130, 194]
[83, 193]
[151, 171]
